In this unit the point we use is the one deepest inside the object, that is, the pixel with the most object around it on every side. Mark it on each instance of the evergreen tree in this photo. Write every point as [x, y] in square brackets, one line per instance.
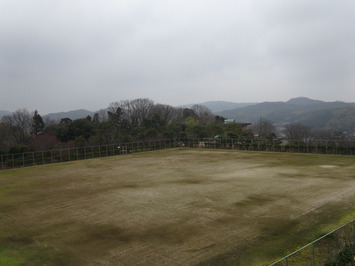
[96, 118]
[37, 124]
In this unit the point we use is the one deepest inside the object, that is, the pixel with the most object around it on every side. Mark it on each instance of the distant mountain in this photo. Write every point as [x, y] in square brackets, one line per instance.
[313, 113]
[317, 105]
[3, 113]
[304, 101]
[76, 114]
[342, 119]
[219, 106]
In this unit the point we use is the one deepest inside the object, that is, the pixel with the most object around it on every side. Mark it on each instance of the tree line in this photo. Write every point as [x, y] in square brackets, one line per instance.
[134, 120]
[124, 121]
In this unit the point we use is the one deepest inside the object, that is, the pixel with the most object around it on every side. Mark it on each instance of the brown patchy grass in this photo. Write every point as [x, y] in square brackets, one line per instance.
[173, 207]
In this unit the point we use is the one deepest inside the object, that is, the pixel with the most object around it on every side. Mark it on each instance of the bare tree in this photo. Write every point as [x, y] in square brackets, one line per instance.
[20, 123]
[203, 113]
[328, 135]
[264, 128]
[49, 121]
[141, 109]
[166, 112]
[178, 114]
[297, 132]
[133, 111]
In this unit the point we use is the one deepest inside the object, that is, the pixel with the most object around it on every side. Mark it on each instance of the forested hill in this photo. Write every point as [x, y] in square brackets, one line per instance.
[219, 106]
[75, 114]
[3, 113]
[313, 113]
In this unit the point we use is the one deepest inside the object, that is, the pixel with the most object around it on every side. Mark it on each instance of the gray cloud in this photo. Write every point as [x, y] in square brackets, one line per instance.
[313, 40]
[61, 55]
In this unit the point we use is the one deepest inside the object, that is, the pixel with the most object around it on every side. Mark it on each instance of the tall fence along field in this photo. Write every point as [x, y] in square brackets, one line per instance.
[172, 207]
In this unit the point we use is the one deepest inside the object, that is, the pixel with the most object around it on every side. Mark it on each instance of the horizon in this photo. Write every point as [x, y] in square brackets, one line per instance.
[176, 106]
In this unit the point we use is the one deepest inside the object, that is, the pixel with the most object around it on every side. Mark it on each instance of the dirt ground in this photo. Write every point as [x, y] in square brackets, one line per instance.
[172, 207]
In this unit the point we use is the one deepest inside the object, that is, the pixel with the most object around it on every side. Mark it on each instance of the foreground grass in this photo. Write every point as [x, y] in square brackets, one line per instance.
[172, 207]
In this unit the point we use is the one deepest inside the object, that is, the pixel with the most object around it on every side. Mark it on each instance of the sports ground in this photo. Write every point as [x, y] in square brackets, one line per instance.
[172, 207]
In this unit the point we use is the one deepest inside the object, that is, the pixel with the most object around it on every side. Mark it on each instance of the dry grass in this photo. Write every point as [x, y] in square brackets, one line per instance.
[175, 207]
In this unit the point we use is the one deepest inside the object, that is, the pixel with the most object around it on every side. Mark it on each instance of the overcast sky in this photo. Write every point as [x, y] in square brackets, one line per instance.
[61, 55]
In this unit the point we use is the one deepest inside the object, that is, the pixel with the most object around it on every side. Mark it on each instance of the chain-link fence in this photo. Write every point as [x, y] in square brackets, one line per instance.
[346, 147]
[70, 154]
[333, 249]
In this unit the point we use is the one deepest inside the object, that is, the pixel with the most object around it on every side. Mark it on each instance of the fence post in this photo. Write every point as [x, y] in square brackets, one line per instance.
[336, 148]
[326, 147]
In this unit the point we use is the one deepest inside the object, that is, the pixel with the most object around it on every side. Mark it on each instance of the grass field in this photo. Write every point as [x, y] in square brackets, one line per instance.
[172, 207]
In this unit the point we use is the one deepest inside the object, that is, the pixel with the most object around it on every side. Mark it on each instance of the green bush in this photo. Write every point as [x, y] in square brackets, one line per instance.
[19, 149]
